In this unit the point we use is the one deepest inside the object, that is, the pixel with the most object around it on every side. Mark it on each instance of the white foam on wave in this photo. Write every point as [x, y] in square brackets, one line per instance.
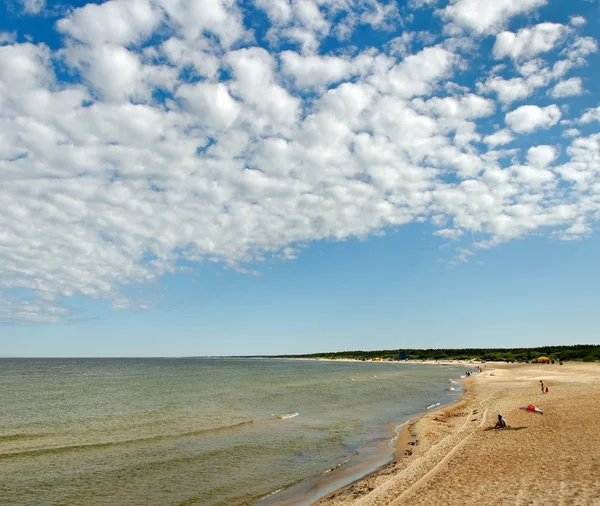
[397, 431]
[336, 466]
[284, 416]
[431, 406]
[272, 493]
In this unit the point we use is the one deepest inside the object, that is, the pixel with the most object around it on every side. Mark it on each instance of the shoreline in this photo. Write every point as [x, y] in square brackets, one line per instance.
[464, 363]
[372, 462]
[455, 461]
[407, 443]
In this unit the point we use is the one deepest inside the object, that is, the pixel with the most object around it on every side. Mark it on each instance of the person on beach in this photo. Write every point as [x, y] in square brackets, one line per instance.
[542, 385]
[501, 423]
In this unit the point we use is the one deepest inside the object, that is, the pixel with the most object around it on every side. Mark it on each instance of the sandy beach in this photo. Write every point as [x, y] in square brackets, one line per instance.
[448, 457]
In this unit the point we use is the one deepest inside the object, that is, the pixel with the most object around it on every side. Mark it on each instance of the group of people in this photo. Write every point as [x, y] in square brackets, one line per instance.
[502, 424]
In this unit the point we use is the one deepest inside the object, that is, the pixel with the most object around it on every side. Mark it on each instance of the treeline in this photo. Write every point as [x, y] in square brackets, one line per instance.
[581, 352]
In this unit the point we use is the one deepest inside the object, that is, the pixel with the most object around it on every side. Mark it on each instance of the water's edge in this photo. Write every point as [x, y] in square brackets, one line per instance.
[356, 467]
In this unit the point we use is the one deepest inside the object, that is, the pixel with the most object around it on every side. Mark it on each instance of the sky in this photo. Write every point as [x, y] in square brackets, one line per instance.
[221, 177]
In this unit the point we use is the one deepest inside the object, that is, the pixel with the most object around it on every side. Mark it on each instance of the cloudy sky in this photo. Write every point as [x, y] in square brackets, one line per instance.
[190, 177]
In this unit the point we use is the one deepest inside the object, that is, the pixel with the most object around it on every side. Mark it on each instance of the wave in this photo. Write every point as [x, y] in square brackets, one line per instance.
[20, 437]
[110, 444]
[397, 431]
[284, 416]
[339, 464]
[270, 494]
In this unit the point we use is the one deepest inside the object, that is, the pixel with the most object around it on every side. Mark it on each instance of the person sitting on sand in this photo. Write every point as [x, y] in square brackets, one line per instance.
[501, 423]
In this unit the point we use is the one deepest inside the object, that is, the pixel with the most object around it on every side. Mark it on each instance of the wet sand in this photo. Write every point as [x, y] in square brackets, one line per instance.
[447, 457]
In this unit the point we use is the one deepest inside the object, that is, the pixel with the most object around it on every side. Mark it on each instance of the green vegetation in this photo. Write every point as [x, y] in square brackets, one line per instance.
[581, 352]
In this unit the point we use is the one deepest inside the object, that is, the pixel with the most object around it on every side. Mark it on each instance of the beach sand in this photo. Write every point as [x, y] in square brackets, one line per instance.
[447, 457]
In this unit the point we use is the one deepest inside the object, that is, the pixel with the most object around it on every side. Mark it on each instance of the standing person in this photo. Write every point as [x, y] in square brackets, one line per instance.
[542, 385]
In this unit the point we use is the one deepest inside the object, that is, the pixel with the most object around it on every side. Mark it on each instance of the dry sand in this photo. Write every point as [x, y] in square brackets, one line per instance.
[448, 458]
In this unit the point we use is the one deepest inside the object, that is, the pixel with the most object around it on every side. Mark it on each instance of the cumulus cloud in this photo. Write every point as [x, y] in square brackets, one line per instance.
[541, 156]
[484, 17]
[113, 22]
[571, 132]
[33, 6]
[577, 20]
[7, 37]
[163, 132]
[508, 90]
[499, 138]
[316, 71]
[590, 115]
[528, 42]
[567, 88]
[528, 118]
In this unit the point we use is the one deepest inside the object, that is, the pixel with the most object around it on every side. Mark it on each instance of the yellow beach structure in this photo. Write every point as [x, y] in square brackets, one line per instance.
[542, 360]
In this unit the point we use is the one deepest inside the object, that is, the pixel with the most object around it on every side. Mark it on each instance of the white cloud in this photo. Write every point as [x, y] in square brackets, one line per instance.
[316, 71]
[211, 103]
[541, 156]
[528, 42]
[571, 132]
[577, 20]
[528, 118]
[590, 115]
[112, 22]
[114, 72]
[575, 231]
[279, 11]
[194, 18]
[508, 90]
[499, 138]
[449, 233]
[176, 137]
[567, 88]
[484, 16]
[583, 168]
[33, 6]
[416, 74]
[582, 47]
[469, 106]
[7, 37]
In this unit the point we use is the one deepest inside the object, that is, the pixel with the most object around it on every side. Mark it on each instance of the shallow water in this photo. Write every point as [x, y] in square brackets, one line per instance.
[196, 431]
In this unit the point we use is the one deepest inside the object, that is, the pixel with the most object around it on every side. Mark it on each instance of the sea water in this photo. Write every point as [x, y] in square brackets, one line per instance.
[199, 431]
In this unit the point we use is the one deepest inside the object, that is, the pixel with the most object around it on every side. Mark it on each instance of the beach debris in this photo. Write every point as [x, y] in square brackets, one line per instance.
[531, 408]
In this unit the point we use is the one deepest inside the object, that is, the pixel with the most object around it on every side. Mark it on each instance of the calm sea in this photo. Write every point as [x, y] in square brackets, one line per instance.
[200, 431]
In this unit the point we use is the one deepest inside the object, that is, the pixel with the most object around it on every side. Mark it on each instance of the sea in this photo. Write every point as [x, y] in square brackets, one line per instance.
[202, 431]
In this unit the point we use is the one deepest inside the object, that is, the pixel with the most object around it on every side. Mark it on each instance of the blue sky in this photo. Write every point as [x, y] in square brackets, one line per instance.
[215, 178]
